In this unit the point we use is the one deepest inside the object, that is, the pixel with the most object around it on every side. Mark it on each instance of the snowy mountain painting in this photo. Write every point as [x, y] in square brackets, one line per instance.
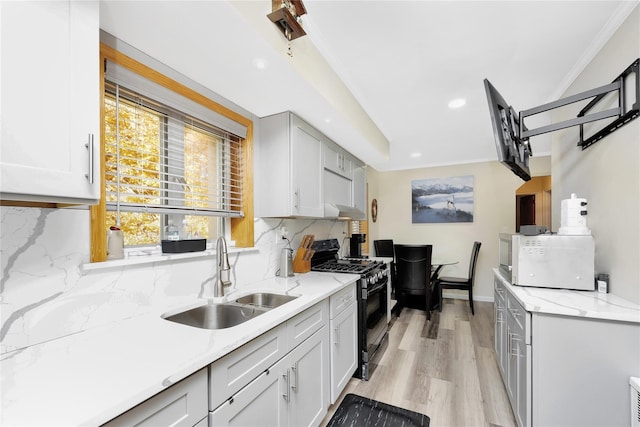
[442, 200]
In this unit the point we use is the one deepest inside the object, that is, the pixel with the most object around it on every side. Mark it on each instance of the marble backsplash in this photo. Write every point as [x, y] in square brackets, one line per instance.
[46, 294]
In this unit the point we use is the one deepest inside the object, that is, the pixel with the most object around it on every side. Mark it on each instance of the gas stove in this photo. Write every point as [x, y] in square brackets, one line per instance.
[372, 295]
[326, 258]
[348, 266]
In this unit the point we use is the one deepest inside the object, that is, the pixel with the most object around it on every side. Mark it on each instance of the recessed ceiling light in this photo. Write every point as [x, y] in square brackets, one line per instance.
[260, 63]
[327, 119]
[457, 103]
[415, 155]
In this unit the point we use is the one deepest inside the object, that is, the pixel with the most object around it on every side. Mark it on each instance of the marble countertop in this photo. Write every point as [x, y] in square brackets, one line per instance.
[564, 302]
[93, 376]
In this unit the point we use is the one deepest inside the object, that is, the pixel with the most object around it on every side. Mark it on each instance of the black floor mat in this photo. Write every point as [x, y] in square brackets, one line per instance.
[356, 411]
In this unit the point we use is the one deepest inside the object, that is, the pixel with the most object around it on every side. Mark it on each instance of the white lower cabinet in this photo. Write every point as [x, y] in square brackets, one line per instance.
[500, 326]
[344, 339]
[291, 392]
[563, 370]
[518, 355]
[181, 405]
[294, 391]
[512, 325]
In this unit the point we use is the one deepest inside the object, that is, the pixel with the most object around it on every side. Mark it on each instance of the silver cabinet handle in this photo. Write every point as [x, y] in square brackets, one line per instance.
[294, 370]
[288, 384]
[336, 341]
[513, 337]
[296, 203]
[89, 146]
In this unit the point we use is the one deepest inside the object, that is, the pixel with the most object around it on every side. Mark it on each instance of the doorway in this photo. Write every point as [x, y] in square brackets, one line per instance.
[533, 203]
[525, 210]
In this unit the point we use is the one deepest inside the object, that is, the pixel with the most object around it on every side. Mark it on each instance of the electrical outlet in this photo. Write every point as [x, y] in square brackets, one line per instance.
[281, 234]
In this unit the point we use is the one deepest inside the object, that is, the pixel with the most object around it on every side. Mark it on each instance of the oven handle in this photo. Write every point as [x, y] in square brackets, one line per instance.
[378, 287]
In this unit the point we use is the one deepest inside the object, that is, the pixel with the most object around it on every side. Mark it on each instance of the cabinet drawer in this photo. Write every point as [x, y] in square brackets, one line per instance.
[341, 300]
[303, 325]
[235, 370]
[183, 404]
[259, 403]
[520, 316]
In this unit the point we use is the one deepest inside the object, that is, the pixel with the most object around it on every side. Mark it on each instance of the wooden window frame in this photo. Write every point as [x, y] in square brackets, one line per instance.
[241, 228]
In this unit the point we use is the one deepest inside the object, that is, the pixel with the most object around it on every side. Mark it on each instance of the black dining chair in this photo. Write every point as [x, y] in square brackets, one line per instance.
[413, 273]
[384, 248]
[461, 282]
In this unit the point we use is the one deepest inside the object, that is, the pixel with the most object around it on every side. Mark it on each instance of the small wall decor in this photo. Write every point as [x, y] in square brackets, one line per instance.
[374, 210]
[438, 200]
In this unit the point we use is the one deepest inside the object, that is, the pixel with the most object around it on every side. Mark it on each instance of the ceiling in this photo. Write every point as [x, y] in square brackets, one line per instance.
[376, 76]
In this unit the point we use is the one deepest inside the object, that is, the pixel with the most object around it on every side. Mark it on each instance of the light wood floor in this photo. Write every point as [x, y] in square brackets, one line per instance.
[445, 368]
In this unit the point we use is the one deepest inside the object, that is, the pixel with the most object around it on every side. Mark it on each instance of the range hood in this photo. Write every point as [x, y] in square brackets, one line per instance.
[334, 210]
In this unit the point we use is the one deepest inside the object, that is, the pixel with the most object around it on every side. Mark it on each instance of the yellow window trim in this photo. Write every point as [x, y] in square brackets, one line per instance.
[241, 228]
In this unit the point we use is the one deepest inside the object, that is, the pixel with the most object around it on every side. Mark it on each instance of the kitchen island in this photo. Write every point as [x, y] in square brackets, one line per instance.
[90, 377]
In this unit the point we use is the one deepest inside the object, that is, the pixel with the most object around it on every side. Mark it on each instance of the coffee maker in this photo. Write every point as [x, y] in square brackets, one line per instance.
[354, 245]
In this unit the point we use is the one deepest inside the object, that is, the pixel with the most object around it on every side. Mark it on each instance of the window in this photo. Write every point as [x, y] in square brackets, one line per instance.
[174, 161]
[167, 175]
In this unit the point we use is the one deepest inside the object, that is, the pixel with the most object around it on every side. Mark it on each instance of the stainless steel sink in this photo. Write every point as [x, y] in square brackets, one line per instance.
[265, 300]
[226, 315]
[217, 316]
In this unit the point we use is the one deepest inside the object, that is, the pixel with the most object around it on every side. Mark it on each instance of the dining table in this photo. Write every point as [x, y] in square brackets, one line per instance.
[436, 267]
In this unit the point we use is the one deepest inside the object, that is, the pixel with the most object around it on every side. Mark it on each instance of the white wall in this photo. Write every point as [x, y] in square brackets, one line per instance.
[494, 212]
[607, 174]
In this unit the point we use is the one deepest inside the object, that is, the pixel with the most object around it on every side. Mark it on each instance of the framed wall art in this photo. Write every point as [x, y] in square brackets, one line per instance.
[440, 200]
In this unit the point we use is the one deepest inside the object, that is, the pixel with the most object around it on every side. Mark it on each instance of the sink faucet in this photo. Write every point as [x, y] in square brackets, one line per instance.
[223, 270]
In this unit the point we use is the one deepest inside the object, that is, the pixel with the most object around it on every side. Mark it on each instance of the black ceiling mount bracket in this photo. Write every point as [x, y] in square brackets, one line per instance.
[618, 86]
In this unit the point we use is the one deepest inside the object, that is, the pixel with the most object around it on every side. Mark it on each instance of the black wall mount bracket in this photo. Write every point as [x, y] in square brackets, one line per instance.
[621, 113]
[624, 116]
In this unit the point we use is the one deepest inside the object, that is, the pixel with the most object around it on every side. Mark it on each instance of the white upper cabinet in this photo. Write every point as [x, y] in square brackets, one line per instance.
[50, 101]
[299, 172]
[288, 168]
[337, 160]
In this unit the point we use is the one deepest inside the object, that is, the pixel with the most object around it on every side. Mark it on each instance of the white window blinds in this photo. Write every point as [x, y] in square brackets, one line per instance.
[164, 154]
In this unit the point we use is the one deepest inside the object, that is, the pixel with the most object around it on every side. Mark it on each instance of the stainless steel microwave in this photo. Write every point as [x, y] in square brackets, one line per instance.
[550, 261]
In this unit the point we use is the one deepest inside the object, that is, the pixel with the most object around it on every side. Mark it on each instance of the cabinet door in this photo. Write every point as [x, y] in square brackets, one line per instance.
[50, 101]
[306, 147]
[523, 383]
[360, 189]
[518, 368]
[500, 330]
[261, 403]
[309, 364]
[344, 349]
[337, 189]
[336, 160]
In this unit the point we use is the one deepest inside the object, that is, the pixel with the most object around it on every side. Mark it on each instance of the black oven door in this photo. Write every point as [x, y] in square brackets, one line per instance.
[372, 323]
